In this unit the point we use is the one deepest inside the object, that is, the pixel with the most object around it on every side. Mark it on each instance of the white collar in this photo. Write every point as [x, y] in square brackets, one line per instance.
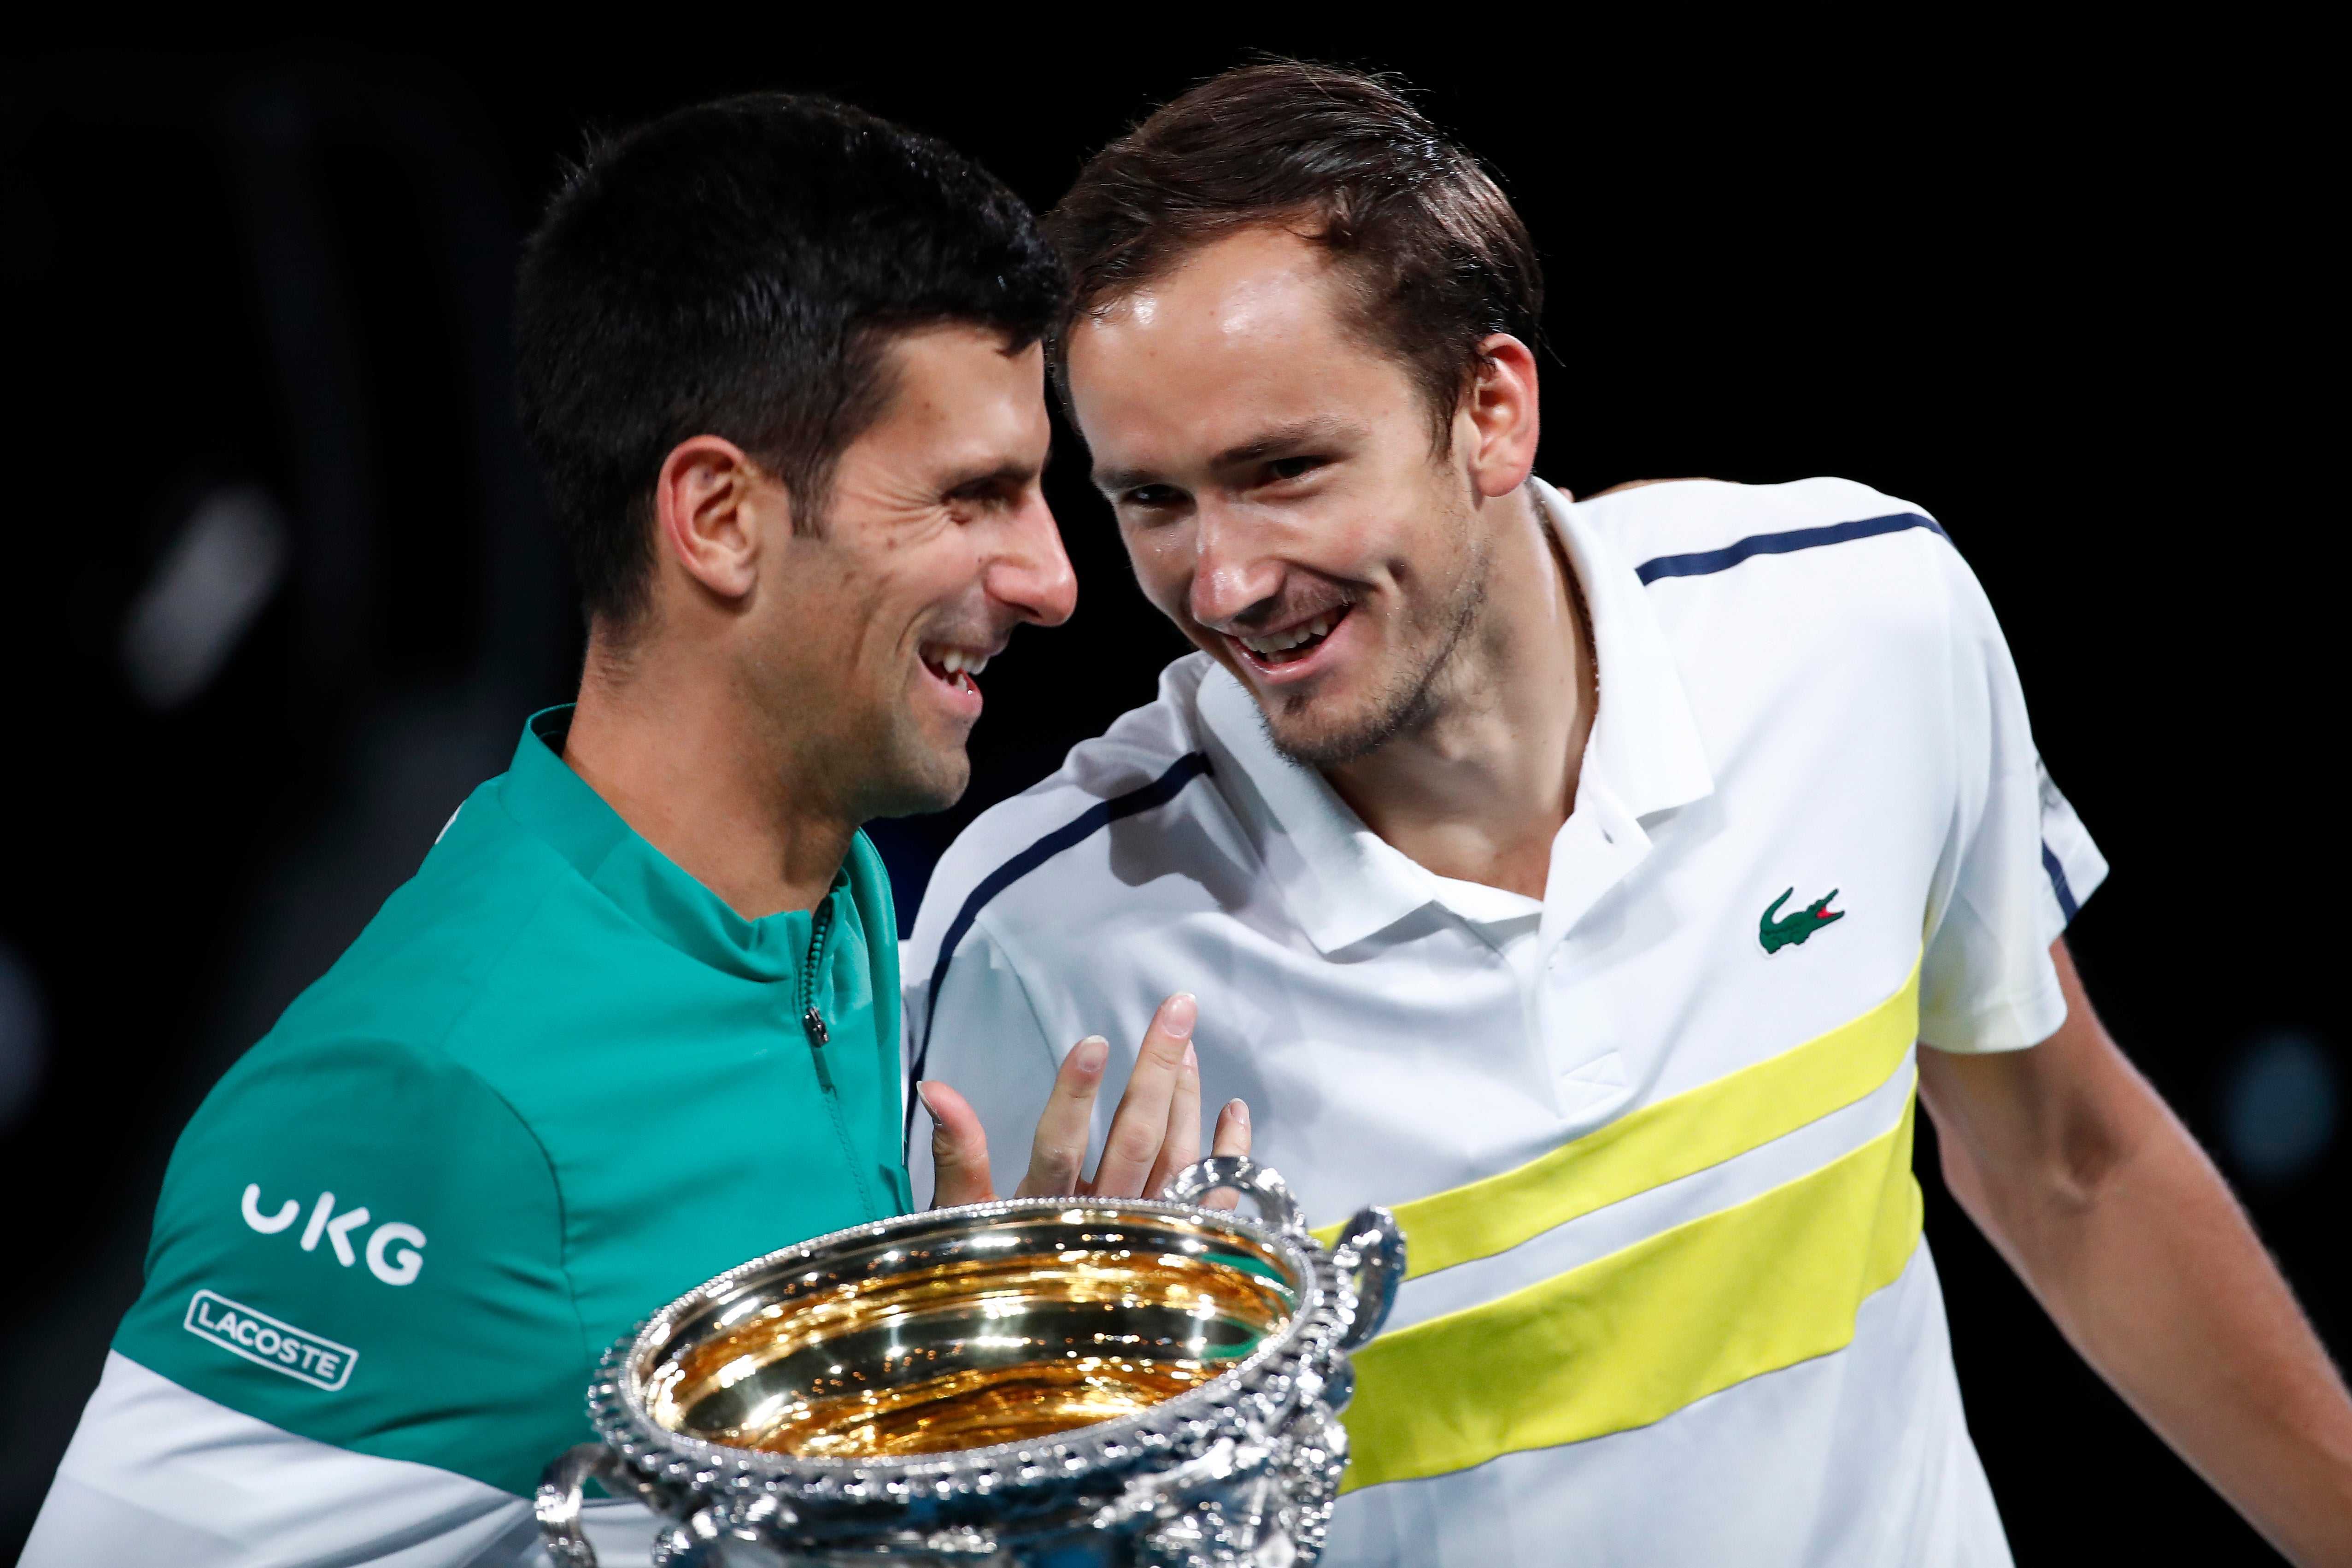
[1343, 882]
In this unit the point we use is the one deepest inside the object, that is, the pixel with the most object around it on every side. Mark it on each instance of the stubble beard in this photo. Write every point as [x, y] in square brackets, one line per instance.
[1410, 694]
[869, 759]
[905, 772]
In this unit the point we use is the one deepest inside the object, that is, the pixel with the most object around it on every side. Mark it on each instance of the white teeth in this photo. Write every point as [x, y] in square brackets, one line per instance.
[955, 661]
[1280, 642]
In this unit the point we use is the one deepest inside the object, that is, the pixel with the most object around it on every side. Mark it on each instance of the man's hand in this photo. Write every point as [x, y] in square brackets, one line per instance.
[1155, 1133]
[2102, 1203]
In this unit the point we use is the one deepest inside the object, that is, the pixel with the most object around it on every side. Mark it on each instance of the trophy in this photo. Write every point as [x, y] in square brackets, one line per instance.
[1033, 1382]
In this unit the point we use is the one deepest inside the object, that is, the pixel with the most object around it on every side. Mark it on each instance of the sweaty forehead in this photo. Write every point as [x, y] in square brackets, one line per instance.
[1247, 330]
[1249, 290]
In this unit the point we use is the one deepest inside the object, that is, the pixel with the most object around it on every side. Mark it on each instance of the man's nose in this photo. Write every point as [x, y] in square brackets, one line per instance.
[1031, 573]
[1231, 570]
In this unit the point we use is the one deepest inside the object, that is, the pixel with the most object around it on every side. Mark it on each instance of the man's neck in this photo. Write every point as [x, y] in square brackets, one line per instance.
[1478, 793]
[672, 751]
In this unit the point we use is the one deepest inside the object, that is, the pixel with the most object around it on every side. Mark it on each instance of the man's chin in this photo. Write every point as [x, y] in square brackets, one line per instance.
[1326, 729]
[932, 781]
[1323, 740]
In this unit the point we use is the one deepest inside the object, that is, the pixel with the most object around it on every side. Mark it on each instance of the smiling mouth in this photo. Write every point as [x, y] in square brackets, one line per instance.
[1274, 649]
[955, 667]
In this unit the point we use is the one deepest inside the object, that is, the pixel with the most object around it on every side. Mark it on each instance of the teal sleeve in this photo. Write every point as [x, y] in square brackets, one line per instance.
[360, 1243]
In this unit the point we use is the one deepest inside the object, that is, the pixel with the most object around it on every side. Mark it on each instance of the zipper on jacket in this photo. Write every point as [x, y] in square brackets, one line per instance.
[812, 1020]
[820, 1036]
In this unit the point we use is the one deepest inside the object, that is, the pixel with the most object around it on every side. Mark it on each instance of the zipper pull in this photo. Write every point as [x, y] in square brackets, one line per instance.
[820, 927]
[819, 1038]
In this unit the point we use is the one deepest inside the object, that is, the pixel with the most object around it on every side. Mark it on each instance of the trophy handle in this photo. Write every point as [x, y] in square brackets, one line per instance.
[557, 1502]
[1371, 1254]
[1232, 1172]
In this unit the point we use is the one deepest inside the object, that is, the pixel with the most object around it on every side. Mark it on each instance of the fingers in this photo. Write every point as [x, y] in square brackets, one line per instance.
[1179, 1144]
[1139, 1128]
[959, 1148]
[1060, 1152]
[1232, 1138]
[1155, 1133]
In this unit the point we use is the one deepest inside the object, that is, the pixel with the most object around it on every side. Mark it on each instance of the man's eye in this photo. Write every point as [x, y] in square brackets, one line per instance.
[1292, 468]
[1152, 496]
[978, 499]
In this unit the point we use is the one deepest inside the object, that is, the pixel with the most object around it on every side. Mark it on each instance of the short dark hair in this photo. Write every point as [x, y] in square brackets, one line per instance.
[737, 269]
[1436, 255]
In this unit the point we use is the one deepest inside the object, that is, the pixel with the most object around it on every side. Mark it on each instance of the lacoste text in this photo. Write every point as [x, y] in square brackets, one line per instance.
[260, 1338]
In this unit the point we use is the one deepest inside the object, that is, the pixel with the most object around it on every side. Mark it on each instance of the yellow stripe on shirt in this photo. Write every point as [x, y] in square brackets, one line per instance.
[1632, 1337]
[1660, 1143]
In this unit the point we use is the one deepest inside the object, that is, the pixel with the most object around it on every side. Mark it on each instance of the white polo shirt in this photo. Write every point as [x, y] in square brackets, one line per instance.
[1650, 1138]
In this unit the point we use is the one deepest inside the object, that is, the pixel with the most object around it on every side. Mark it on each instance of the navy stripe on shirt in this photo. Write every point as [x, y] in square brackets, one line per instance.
[1088, 823]
[2057, 870]
[1704, 563]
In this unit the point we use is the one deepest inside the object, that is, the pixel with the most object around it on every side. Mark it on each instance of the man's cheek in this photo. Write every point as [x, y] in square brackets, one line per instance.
[1163, 569]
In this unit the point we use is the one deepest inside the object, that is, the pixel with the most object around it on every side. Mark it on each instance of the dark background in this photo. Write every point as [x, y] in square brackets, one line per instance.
[2063, 291]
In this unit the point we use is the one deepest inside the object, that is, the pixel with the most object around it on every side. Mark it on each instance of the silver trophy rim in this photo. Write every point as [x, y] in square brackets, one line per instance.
[1269, 1380]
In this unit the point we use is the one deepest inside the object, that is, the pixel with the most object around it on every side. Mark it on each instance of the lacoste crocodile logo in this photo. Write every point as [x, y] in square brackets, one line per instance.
[1775, 934]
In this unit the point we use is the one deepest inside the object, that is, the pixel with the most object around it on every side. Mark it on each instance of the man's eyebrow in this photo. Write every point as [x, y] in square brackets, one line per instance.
[1281, 440]
[1111, 481]
[1001, 474]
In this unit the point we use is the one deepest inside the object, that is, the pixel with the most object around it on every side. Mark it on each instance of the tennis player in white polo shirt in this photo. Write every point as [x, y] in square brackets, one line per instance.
[1600, 884]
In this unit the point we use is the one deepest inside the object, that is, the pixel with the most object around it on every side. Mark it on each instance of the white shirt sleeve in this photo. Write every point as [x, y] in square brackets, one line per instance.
[987, 1044]
[2018, 862]
[158, 1474]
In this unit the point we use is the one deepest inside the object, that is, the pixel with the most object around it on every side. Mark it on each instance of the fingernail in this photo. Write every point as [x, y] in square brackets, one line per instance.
[1191, 1059]
[1178, 1013]
[1238, 1111]
[923, 1093]
[1091, 1053]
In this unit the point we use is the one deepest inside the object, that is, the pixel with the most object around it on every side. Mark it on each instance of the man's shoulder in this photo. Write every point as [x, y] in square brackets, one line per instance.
[390, 1126]
[370, 1038]
[1701, 527]
[297, 1083]
[498, 944]
[442, 935]
[1746, 580]
[1146, 759]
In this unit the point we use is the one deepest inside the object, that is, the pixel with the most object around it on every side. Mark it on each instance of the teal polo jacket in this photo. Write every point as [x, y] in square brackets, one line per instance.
[554, 1084]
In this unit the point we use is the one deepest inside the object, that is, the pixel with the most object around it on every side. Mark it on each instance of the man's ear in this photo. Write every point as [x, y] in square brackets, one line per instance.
[712, 506]
[1504, 415]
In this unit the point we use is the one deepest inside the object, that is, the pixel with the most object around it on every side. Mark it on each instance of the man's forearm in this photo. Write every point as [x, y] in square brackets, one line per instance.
[2118, 1223]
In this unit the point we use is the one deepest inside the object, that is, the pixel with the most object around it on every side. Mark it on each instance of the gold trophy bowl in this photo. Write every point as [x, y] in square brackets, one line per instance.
[1005, 1330]
[1071, 1378]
